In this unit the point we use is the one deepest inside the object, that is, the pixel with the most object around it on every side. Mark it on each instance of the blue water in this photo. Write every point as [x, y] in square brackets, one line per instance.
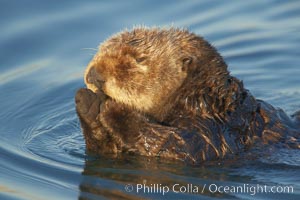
[44, 49]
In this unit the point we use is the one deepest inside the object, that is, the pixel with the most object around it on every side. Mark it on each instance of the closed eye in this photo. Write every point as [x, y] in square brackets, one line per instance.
[141, 59]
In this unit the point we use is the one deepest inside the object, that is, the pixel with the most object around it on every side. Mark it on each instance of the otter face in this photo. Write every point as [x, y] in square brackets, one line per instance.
[139, 68]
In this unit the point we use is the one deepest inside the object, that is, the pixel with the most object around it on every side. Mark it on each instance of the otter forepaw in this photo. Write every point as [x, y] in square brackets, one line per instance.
[87, 105]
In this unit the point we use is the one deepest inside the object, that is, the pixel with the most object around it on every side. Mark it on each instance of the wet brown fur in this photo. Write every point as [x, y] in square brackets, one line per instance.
[168, 93]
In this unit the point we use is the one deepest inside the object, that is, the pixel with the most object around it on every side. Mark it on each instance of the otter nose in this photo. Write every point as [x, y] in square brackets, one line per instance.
[94, 78]
[91, 75]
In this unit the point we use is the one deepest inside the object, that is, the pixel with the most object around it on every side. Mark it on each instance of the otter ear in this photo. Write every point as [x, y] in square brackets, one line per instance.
[186, 62]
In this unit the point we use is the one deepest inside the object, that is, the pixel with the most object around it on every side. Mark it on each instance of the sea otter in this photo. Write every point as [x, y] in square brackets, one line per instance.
[168, 93]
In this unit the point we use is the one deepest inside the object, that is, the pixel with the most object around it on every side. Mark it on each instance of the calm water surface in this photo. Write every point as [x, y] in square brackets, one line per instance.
[44, 48]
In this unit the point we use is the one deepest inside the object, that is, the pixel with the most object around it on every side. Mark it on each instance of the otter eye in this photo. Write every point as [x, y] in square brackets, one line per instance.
[139, 60]
[186, 62]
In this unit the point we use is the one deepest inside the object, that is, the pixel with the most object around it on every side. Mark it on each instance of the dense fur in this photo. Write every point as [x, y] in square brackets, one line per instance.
[168, 93]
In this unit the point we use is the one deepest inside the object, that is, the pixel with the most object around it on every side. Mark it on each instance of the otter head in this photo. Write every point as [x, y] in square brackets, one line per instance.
[144, 68]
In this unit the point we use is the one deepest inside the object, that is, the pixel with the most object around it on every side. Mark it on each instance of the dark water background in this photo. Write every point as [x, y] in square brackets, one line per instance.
[44, 48]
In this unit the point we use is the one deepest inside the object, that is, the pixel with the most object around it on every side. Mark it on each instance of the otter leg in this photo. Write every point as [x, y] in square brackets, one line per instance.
[121, 121]
[87, 106]
[96, 137]
[138, 134]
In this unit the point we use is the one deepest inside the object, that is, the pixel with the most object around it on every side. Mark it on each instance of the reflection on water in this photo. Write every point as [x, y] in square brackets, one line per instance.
[134, 178]
[44, 49]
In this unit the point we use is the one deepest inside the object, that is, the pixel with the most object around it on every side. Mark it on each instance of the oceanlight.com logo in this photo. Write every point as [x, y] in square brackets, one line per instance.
[251, 189]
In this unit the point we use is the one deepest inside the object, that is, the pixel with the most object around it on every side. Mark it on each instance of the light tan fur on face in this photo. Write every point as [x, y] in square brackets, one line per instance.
[142, 102]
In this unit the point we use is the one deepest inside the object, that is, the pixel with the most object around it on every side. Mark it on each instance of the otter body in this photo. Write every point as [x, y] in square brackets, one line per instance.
[168, 93]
